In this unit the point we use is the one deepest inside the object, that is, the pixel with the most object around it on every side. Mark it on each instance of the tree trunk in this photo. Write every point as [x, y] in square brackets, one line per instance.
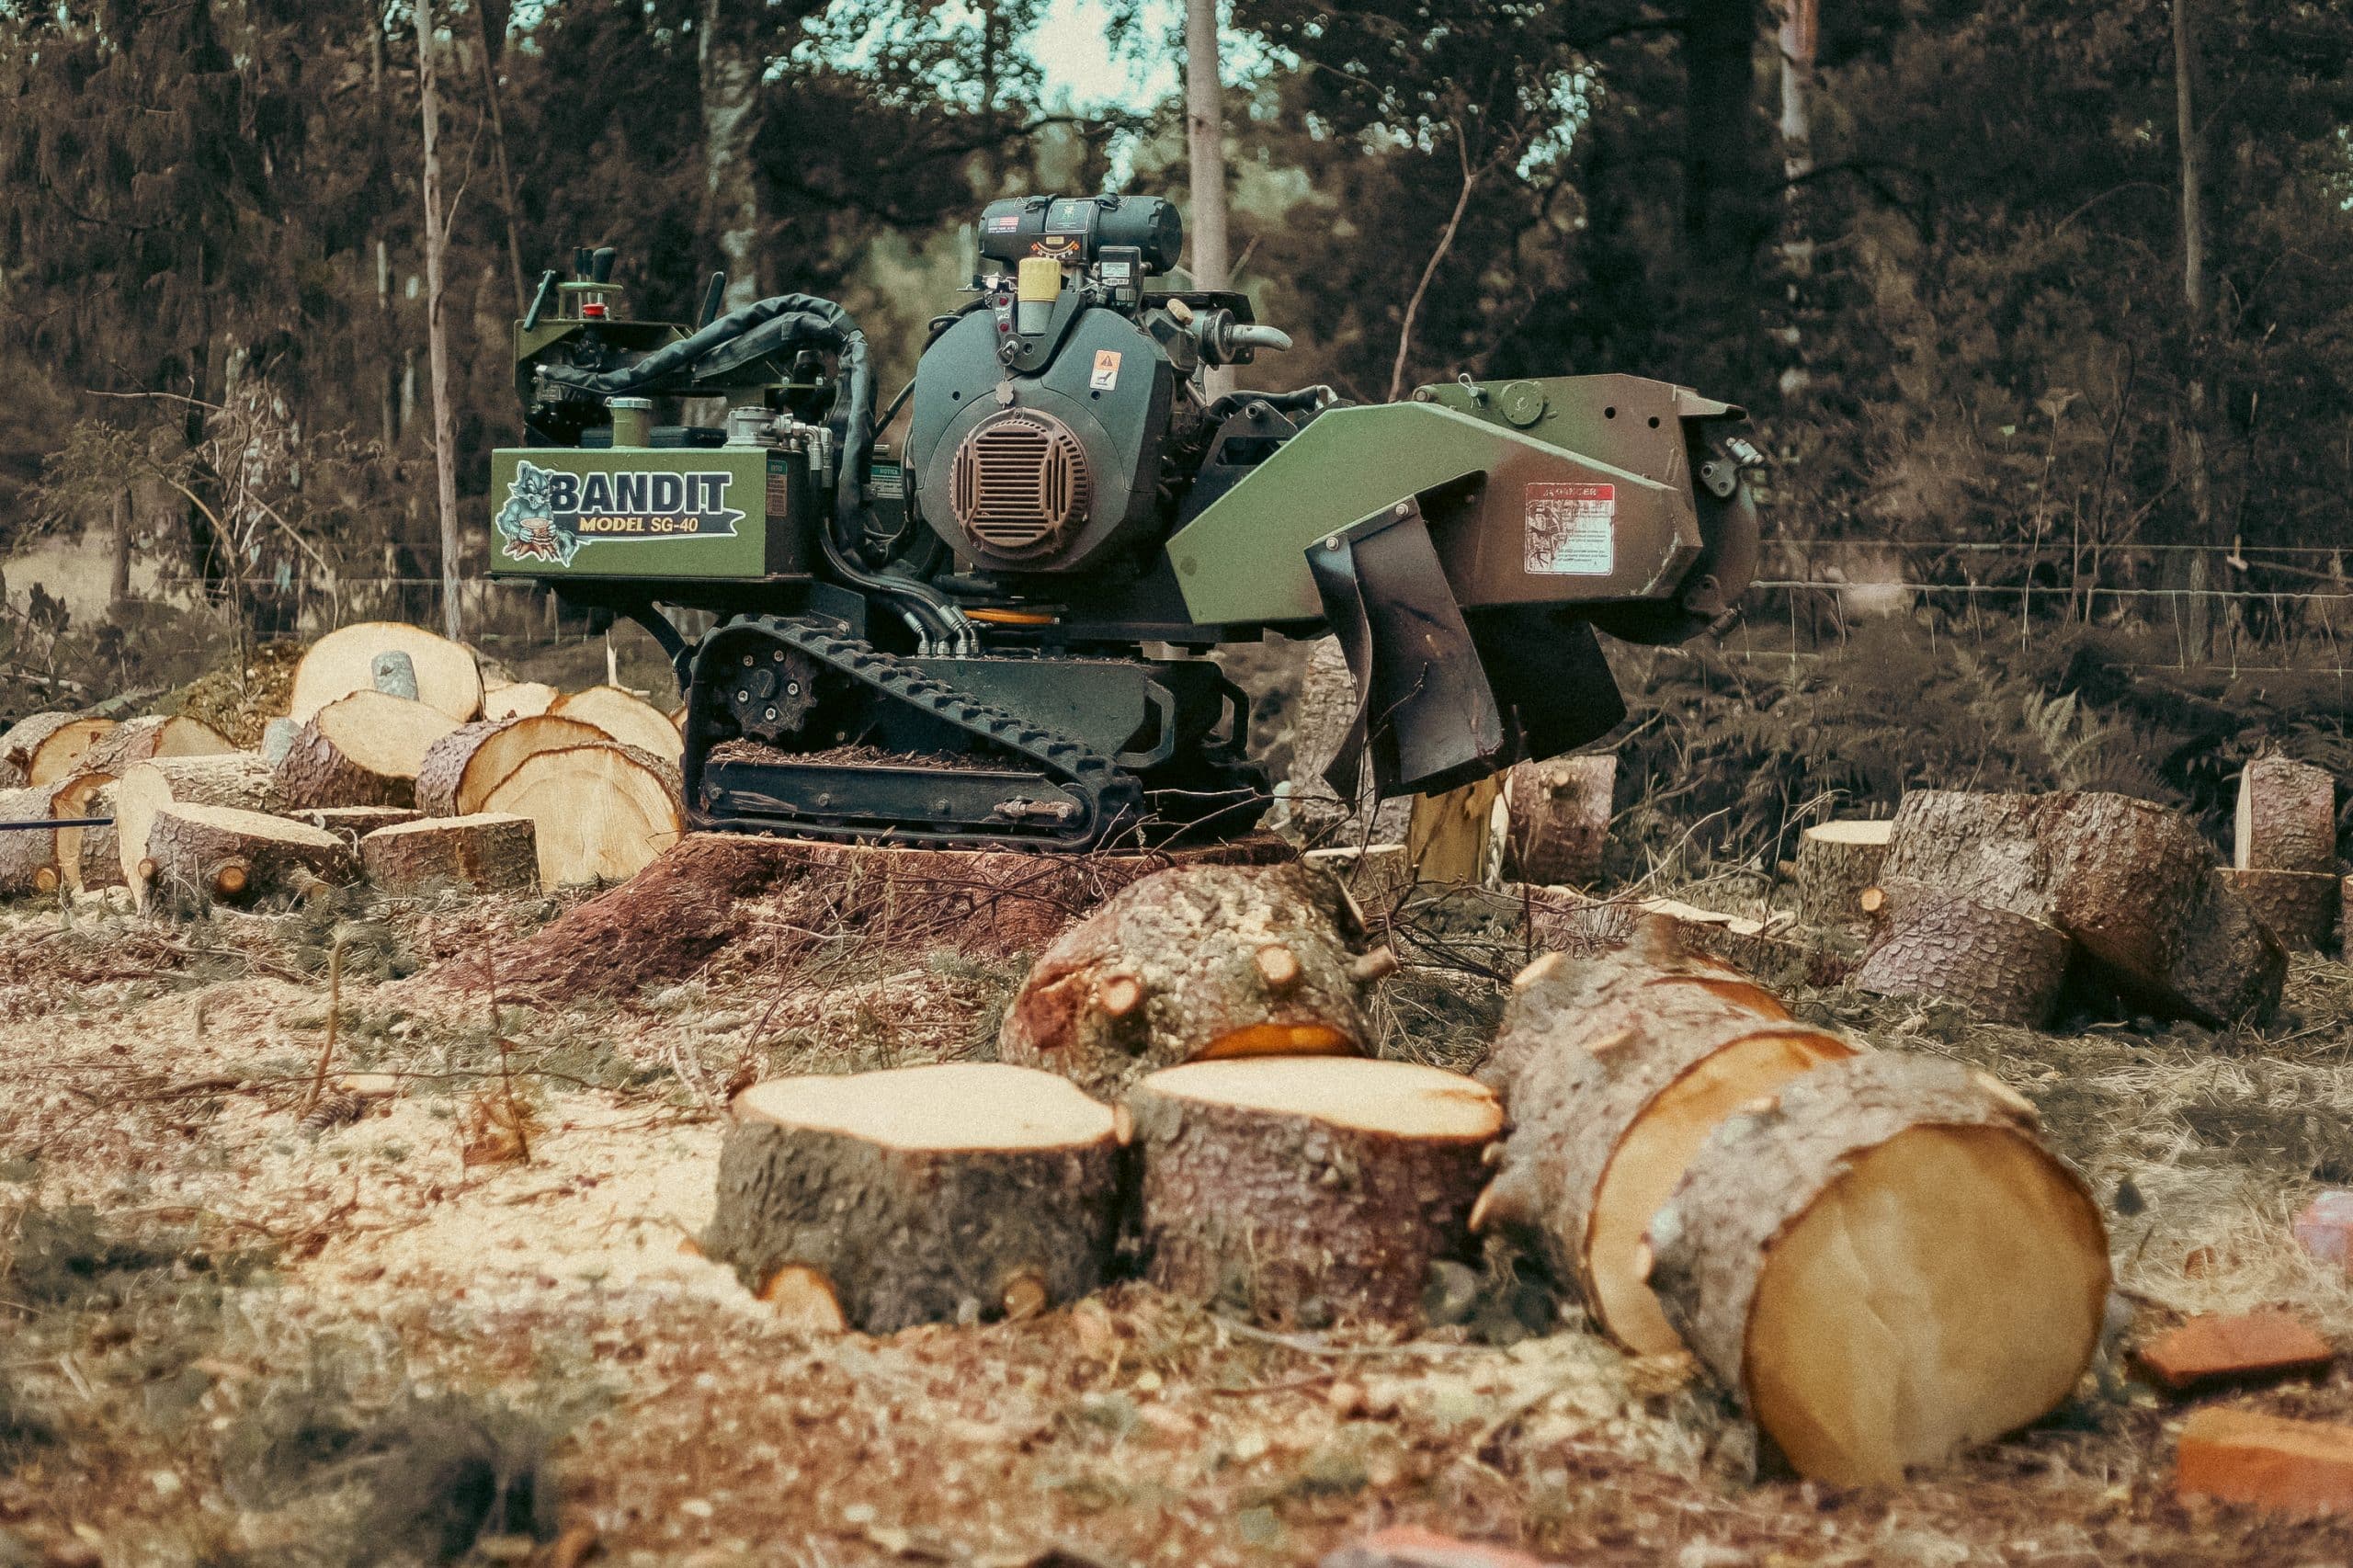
[1719, 105]
[1559, 819]
[2206, 526]
[118, 580]
[936, 1194]
[1205, 150]
[490, 51]
[1836, 860]
[1885, 1265]
[436, 325]
[471, 854]
[2004, 966]
[730, 72]
[2286, 819]
[1305, 1191]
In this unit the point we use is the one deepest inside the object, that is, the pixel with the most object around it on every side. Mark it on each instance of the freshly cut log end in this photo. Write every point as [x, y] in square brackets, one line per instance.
[2298, 907]
[241, 780]
[471, 853]
[46, 747]
[1886, 1265]
[517, 699]
[344, 661]
[1308, 1190]
[1837, 861]
[24, 855]
[600, 812]
[2004, 966]
[2286, 819]
[1559, 819]
[1188, 964]
[628, 719]
[204, 854]
[144, 740]
[464, 766]
[920, 1195]
[361, 750]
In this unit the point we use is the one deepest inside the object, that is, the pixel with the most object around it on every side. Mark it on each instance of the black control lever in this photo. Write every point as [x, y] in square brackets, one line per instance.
[714, 296]
[600, 266]
[540, 300]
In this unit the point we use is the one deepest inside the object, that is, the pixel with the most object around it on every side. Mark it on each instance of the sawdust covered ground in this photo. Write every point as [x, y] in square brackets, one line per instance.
[230, 1339]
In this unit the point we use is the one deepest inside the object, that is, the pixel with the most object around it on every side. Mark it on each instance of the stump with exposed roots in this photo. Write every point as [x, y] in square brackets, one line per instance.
[221, 855]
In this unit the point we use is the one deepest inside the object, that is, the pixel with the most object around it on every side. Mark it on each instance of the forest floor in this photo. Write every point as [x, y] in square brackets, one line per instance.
[234, 1333]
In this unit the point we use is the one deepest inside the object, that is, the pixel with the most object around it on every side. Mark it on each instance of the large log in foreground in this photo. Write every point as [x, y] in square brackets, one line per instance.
[241, 780]
[463, 766]
[1308, 1190]
[1190, 964]
[1885, 1264]
[939, 1194]
[219, 854]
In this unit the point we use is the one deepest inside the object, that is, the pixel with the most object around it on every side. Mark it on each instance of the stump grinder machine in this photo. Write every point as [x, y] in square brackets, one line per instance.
[988, 624]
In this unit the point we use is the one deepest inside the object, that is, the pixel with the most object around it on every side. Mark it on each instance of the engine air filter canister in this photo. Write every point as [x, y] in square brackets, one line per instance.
[1020, 487]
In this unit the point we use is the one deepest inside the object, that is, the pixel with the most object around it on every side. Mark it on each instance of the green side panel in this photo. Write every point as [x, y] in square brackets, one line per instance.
[564, 512]
[1244, 559]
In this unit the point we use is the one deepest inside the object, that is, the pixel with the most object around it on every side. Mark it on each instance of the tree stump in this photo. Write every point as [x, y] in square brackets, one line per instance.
[473, 854]
[1885, 1264]
[2298, 907]
[87, 860]
[361, 750]
[221, 855]
[344, 661]
[1190, 964]
[464, 766]
[602, 812]
[1614, 1078]
[1559, 819]
[28, 856]
[516, 699]
[2286, 819]
[1308, 1190]
[1836, 860]
[2004, 966]
[240, 779]
[938, 1194]
[631, 720]
[42, 748]
[144, 740]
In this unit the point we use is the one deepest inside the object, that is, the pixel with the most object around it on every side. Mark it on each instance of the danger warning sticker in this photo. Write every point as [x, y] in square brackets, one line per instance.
[1572, 530]
[1106, 374]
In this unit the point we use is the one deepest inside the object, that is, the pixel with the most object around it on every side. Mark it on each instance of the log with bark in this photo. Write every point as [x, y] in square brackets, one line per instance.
[2286, 819]
[938, 1194]
[1944, 947]
[28, 857]
[363, 749]
[464, 766]
[42, 748]
[1559, 819]
[2131, 883]
[602, 812]
[1190, 964]
[1308, 1190]
[205, 855]
[352, 824]
[1615, 1073]
[624, 716]
[241, 780]
[344, 661]
[144, 739]
[1836, 860]
[2298, 907]
[1563, 919]
[472, 854]
[1885, 1264]
[86, 857]
[516, 699]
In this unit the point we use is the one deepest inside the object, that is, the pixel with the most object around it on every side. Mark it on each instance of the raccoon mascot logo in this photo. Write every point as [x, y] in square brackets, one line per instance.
[526, 522]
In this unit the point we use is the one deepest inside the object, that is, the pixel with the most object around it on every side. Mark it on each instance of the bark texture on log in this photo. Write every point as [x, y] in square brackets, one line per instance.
[920, 1195]
[1559, 819]
[144, 740]
[475, 854]
[2286, 819]
[86, 857]
[221, 855]
[1836, 860]
[464, 766]
[1308, 1190]
[361, 750]
[344, 661]
[1192, 963]
[2298, 907]
[241, 780]
[1885, 1264]
[2004, 966]
[1566, 921]
[1614, 1074]
[602, 812]
[28, 859]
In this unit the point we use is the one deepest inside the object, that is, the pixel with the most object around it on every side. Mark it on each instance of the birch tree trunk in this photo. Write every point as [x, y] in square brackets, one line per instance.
[436, 328]
[731, 86]
[1205, 147]
[2194, 290]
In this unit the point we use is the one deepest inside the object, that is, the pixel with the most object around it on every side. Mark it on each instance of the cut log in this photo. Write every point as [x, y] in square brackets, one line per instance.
[344, 661]
[1190, 964]
[630, 720]
[1564, 919]
[473, 854]
[920, 1195]
[2298, 907]
[1377, 876]
[1308, 1190]
[352, 824]
[144, 740]
[516, 699]
[1559, 819]
[45, 747]
[1885, 1265]
[28, 857]
[600, 812]
[2131, 883]
[471, 760]
[2286, 818]
[240, 779]
[86, 858]
[220, 854]
[361, 750]
[1615, 1079]
[1836, 860]
[2004, 966]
